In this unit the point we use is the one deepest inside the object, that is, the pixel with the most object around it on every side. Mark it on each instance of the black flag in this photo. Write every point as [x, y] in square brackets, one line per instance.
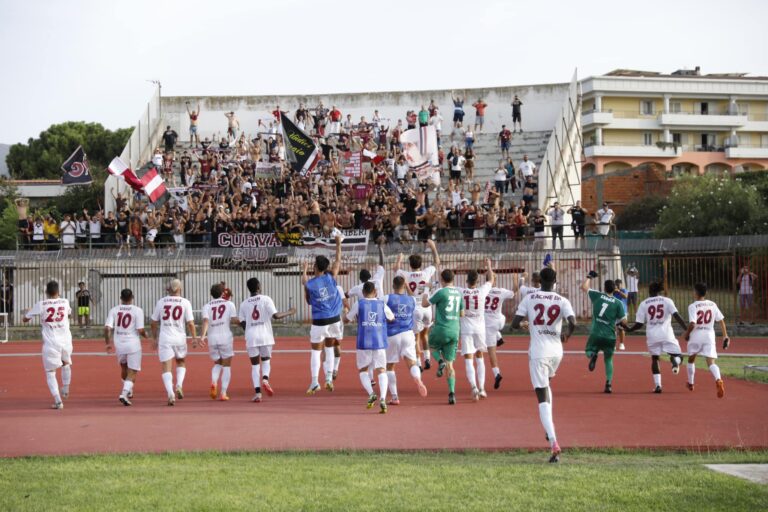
[76, 171]
[301, 151]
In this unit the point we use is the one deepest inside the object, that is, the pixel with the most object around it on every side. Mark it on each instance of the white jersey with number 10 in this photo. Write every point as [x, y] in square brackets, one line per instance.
[126, 320]
[545, 312]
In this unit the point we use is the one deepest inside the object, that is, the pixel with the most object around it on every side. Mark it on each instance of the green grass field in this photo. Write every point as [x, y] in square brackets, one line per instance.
[584, 480]
[734, 367]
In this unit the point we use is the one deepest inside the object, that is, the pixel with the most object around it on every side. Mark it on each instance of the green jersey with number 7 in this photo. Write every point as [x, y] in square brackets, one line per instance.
[607, 311]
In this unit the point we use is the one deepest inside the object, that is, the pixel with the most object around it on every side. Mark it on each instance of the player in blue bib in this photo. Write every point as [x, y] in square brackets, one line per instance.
[372, 315]
[325, 301]
[401, 340]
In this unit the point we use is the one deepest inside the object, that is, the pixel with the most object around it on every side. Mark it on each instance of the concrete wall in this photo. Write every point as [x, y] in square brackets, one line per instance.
[541, 104]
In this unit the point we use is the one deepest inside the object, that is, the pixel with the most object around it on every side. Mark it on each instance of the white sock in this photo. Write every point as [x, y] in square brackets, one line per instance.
[266, 368]
[691, 372]
[657, 379]
[383, 384]
[426, 355]
[329, 362]
[495, 371]
[545, 415]
[181, 371]
[215, 373]
[314, 364]
[336, 363]
[226, 376]
[370, 372]
[365, 380]
[53, 386]
[480, 373]
[715, 371]
[469, 364]
[66, 375]
[392, 379]
[168, 383]
[415, 372]
[256, 375]
[127, 387]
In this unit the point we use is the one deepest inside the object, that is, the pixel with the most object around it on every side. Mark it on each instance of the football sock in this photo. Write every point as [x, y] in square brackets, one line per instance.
[127, 387]
[383, 384]
[181, 372]
[415, 372]
[53, 385]
[168, 383]
[480, 373]
[66, 375]
[608, 367]
[365, 380]
[336, 363]
[266, 368]
[255, 374]
[715, 371]
[451, 384]
[495, 371]
[545, 415]
[392, 379]
[314, 364]
[691, 372]
[655, 365]
[426, 355]
[468, 363]
[657, 379]
[226, 376]
[329, 361]
[215, 373]
[370, 372]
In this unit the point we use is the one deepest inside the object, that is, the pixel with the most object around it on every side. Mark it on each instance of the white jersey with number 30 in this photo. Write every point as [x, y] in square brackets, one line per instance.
[545, 312]
[656, 313]
[173, 313]
[125, 320]
[219, 313]
[256, 312]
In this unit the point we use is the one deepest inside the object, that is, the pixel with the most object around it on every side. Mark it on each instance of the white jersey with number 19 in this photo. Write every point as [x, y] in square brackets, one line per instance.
[173, 313]
[219, 313]
[545, 312]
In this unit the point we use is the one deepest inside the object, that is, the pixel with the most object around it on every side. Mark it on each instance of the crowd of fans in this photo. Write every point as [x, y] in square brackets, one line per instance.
[238, 183]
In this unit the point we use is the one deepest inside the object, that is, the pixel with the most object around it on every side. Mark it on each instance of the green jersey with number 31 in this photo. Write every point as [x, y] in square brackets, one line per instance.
[448, 306]
[607, 311]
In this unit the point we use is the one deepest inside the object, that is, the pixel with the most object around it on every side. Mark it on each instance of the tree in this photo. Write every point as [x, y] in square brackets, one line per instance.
[41, 158]
[641, 215]
[711, 206]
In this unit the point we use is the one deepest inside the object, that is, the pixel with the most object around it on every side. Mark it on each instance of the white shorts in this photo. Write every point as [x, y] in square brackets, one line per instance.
[260, 351]
[133, 360]
[422, 318]
[543, 369]
[401, 346]
[151, 235]
[471, 343]
[366, 358]
[168, 352]
[54, 357]
[221, 351]
[493, 327]
[704, 349]
[670, 347]
[318, 333]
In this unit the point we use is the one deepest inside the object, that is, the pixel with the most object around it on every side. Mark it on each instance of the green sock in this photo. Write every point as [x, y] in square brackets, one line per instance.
[608, 367]
[451, 384]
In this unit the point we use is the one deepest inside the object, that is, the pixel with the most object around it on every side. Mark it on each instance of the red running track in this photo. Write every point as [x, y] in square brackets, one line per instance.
[94, 421]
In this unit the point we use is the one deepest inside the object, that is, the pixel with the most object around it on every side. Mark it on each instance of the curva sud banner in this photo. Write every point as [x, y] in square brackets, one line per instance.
[262, 247]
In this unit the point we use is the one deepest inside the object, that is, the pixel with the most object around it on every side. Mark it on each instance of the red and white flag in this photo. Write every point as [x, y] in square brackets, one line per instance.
[120, 169]
[154, 186]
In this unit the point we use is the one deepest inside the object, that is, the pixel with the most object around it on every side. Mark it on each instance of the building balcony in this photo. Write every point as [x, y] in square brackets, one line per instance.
[595, 117]
[698, 120]
[746, 151]
[633, 150]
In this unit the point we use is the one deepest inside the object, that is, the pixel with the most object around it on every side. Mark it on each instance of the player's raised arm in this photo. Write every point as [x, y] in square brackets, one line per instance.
[585, 285]
[381, 253]
[517, 279]
[337, 261]
[435, 256]
[398, 263]
[304, 281]
[490, 273]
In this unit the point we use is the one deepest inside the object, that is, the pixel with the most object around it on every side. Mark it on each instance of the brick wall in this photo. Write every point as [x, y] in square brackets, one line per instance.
[623, 187]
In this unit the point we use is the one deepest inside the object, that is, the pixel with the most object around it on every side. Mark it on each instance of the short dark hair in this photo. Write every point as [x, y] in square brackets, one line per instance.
[415, 260]
[701, 289]
[365, 275]
[617, 282]
[217, 290]
[472, 276]
[447, 275]
[253, 284]
[609, 286]
[655, 288]
[548, 276]
[369, 288]
[536, 277]
[398, 282]
[322, 263]
[126, 295]
[52, 288]
[80, 282]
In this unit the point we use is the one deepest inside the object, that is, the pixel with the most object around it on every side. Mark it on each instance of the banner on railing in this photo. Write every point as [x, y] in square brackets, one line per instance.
[354, 164]
[267, 170]
[354, 246]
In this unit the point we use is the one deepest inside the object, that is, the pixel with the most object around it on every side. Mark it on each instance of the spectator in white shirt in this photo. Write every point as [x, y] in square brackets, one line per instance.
[604, 216]
[527, 168]
[437, 121]
[557, 222]
[500, 178]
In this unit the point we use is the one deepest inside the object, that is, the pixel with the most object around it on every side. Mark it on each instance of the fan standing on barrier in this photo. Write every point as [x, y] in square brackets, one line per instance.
[124, 325]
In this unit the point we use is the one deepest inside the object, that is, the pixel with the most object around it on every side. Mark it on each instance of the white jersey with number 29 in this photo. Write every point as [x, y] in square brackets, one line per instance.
[545, 312]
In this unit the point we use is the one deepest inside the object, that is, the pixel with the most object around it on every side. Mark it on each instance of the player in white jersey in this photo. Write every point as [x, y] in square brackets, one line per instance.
[218, 316]
[494, 323]
[521, 289]
[122, 331]
[700, 335]
[170, 319]
[544, 312]
[472, 338]
[656, 313]
[256, 315]
[418, 280]
[54, 314]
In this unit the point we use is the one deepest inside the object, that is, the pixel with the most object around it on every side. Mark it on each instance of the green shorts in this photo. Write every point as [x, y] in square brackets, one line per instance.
[83, 310]
[442, 346]
[597, 343]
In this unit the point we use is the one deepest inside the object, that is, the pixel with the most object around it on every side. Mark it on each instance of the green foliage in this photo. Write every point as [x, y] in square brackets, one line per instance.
[710, 206]
[78, 197]
[642, 214]
[8, 225]
[41, 158]
[759, 179]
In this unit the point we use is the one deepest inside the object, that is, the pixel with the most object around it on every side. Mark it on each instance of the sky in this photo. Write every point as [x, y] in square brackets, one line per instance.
[92, 60]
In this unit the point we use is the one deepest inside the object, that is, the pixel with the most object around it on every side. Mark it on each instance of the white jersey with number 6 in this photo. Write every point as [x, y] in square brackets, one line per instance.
[125, 321]
[703, 314]
[256, 311]
[173, 313]
[473, 321]
[54, 320]
[545, 312]
[219, 313]
[656, 313]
